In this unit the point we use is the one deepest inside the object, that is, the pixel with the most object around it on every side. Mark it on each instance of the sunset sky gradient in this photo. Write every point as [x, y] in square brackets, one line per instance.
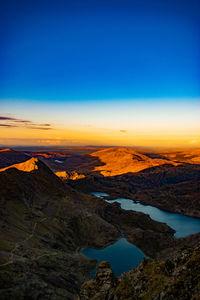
[100, 73]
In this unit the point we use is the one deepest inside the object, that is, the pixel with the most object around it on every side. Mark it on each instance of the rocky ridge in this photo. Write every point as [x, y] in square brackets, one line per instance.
[102, 286]
[73, 175]
[10, 157]
[27, 166]
[177, 277]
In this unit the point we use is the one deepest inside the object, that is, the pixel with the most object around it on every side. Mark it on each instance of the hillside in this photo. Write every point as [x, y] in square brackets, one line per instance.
[27, 166]
[68, 158]
[44, 223]
[169, 183]
[191, 156]
[10, 157]
[122, 160]
[168, 187]
[104, 162]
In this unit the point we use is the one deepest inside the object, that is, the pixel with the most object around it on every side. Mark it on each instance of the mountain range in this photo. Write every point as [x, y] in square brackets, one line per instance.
[46, 221]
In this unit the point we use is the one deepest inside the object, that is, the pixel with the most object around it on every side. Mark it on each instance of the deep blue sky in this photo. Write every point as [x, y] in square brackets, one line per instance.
[83, 50]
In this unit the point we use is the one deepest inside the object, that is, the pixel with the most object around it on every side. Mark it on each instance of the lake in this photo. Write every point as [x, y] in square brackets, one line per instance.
[123, 255]
[183, 225]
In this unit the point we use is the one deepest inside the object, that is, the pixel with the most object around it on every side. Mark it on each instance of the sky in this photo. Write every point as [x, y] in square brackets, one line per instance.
[100, 72]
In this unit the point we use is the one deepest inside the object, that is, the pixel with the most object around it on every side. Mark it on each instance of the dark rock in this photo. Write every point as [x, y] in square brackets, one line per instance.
[157, 280]
[102, 286]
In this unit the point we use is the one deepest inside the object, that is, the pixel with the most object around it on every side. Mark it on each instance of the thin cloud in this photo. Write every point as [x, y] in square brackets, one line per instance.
[7, 118]
[15, 122]
[123, 131]
[7, 125]
[40, 128]
[22, 121]
[45, 125]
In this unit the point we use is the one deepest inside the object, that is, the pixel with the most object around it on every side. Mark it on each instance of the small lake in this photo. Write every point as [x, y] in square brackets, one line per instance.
[122, 255]
[183, 225]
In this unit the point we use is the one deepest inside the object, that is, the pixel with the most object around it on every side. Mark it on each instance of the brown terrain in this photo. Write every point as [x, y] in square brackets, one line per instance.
[27, 166]
[10, 157]
[169, 180]
[117, 161]
[45, 223]
[73, 175]
[191, 156]
[151, 178]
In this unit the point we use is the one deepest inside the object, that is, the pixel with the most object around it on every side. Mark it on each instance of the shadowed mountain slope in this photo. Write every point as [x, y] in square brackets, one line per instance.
[26, 166]
[10, 157]
[44, 223]
[106, 162]
[191, 156]
[175, 189]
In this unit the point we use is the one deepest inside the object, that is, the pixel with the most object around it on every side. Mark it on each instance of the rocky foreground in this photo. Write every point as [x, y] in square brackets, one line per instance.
[177, 277]
[44, 224]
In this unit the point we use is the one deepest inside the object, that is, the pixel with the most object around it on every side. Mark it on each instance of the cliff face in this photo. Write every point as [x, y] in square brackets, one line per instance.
[102, 286]
[178, 277]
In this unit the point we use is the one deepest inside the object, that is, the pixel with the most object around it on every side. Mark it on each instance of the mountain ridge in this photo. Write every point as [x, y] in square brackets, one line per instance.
[27, 166]
[123, 160]
[10, 157]
[44, 223]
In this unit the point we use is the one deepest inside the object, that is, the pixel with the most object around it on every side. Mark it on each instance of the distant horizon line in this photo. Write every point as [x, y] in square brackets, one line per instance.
[15, 147]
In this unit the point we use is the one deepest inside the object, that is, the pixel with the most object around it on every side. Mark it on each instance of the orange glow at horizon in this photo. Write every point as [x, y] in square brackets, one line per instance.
[93, 136]
[124, 123]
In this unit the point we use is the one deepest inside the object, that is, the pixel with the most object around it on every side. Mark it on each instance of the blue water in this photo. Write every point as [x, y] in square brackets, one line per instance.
[122, 255]
[100, 195]
[182, 224]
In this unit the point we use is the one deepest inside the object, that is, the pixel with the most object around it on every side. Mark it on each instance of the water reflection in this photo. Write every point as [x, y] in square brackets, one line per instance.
[122, 255]
[183, 225]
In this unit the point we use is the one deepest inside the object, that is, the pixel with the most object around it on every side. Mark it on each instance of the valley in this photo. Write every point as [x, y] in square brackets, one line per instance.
[100, 150]
[47, 220]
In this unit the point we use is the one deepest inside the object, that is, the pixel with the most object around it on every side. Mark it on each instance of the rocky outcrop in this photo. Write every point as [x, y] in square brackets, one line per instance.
[102, 286]
[73, 175]
[178, 277]
[27, 166]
